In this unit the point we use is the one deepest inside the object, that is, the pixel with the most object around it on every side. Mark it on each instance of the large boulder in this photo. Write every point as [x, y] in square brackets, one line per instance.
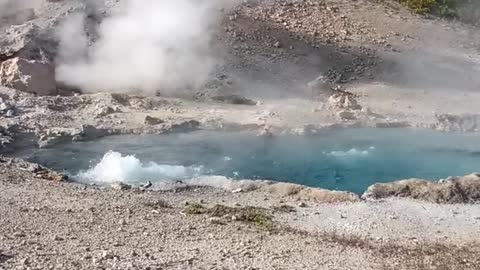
[30, 76]
[27, 41]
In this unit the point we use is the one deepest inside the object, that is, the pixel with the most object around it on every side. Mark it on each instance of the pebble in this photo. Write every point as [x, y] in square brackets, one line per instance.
[215, 220]
[10, 113]
[120, 186]
[57, 238]
[19, 234]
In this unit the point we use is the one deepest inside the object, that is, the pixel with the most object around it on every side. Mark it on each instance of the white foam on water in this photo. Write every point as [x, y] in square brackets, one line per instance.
[351, 152]
[115, 167]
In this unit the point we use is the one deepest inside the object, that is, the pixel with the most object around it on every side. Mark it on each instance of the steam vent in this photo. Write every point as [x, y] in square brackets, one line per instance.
[225, 134]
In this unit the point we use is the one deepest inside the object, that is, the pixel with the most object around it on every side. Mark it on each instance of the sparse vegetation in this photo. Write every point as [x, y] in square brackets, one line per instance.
[420, 256]
[157, 204]
[194, 209]
[284, 208]
[249, 214]
[465, 10]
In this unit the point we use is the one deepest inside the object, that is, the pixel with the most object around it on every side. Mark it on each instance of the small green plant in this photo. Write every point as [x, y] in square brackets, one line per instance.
[249, 214]
[157, 204]
[194, 209]
[284, 208]
[442, 8]
[419, 6]
[257, 216]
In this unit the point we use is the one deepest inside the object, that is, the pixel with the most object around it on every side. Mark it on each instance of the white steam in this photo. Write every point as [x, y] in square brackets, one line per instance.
[17, 11]
[12, 6]
[148, 46]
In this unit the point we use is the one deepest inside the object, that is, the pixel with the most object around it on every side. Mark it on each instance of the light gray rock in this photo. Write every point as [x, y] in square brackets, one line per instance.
[10, 113]
[30, 76]
[120, 186]
[465, 189]
[464, 122]
[27, 41]
[347, 115]
[343, 101]
[151, 121]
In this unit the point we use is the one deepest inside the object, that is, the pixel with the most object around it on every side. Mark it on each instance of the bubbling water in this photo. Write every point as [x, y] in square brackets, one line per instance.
[343, 159]
[114, 167]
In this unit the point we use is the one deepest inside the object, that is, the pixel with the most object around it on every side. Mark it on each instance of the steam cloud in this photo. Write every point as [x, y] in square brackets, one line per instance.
[8, 7]
[147, 46]
[14, 11]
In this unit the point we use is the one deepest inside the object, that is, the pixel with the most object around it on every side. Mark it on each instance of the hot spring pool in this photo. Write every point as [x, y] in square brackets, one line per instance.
[344, 159]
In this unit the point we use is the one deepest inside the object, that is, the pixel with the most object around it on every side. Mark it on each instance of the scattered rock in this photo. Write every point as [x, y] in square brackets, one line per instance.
[183, 126]
[19, 234]
[215, 220]
[307, 193]
[321, 86]
[347, 115]
[120, 186]
[463, 123]
[4, 105]
[51, 176]
[89, 132]
[10, 113]
[464, 189]
[106, 255]
[104, 110]
[392, 125]
[28, 41]
[234, 99]
[146, 186]
[151, 121]
[302, 204]
[343, 101]
[266, 132]
[58, 238]
[30, 76]
[25, 261]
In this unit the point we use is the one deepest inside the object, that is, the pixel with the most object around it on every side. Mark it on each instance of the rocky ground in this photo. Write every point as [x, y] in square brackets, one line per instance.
[54, 225]
[288, 67]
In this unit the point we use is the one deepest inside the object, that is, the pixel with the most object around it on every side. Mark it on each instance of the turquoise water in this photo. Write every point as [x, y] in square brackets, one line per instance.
[344, 159]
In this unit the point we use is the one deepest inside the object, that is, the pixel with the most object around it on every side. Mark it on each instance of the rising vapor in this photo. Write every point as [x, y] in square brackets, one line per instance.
[146, 46]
